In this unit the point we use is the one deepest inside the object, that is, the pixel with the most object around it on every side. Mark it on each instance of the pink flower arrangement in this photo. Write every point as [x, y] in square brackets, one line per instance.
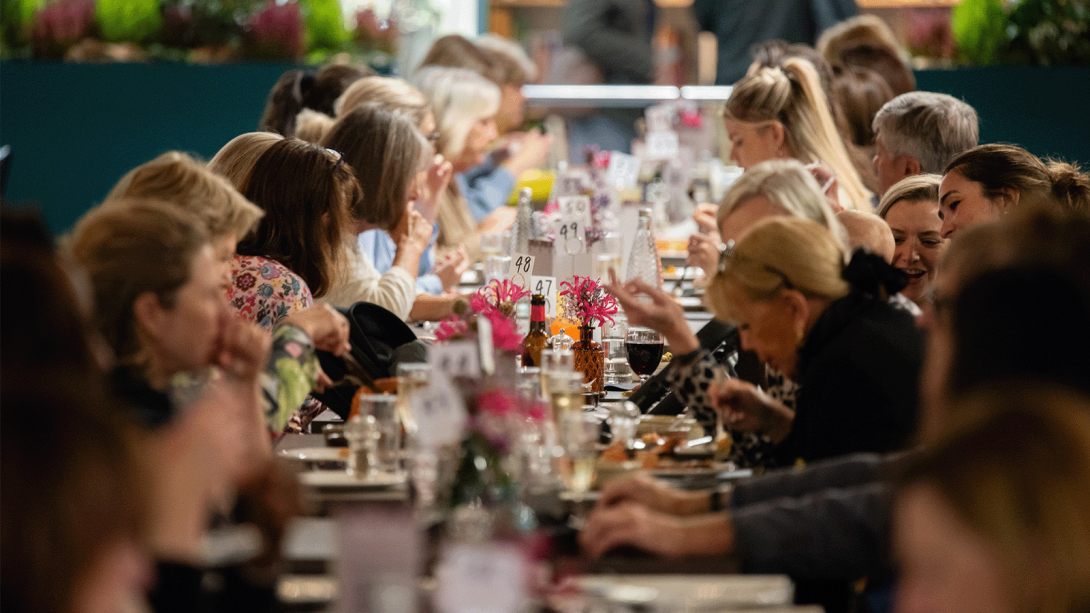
[498, 295]
[588, 301]
[500, 417]
[496, 302]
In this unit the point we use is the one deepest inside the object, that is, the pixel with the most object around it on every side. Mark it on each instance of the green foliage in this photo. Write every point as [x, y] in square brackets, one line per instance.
[325, 23]
[1049, 32]
[128, 20]
[16, 18]
[980, 30]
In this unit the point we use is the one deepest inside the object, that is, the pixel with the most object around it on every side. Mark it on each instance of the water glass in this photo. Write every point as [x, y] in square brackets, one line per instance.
[383, 408]
[496, 267]
[492, 244]
[623, 418]
[361, 433]
[411, 377]
[616, 360]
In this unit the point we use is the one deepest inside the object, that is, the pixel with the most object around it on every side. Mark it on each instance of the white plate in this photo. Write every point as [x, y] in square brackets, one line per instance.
[341, 479]
[316, 454]
[591, 496]
[692, 592]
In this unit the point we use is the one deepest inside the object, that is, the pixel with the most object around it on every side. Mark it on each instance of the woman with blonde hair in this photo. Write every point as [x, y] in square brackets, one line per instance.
[823, 324]
[775, 187]
[911, 209]
[783, 113]
[236, 159]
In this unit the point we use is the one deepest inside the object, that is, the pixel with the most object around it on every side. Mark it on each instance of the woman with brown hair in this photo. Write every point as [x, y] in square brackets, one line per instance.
[388, 154]
[297, 251]
[986, 182]
[300, 90]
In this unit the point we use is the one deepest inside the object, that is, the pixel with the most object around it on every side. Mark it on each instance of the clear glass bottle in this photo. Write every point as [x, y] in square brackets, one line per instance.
[523, 230]
[643, 260]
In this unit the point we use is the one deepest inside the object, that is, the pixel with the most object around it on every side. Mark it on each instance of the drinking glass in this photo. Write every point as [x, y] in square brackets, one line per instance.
[565, 393]
[491, 244]
[383, 408]
[496, 267]
[360, 432]
[644, 349]
[578, 436]
[555, 360]
[411, 377]
[616, 360]
[609, 256]
[623, 418]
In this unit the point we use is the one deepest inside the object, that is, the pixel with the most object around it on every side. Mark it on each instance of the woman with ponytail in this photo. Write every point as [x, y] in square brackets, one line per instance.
[988, 181]
[784, 113]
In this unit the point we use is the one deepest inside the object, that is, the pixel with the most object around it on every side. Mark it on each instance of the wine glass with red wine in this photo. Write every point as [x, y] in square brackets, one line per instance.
[644, 349]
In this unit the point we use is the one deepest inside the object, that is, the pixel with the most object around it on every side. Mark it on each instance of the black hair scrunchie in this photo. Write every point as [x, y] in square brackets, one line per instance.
[870, 274]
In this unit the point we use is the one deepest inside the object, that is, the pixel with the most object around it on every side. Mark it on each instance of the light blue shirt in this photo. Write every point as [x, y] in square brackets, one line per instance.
[378, 246]
[486, 188]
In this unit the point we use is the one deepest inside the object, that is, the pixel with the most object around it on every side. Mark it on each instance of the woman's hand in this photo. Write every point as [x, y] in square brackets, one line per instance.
[450, 267]
[528, 151]
[243, 350]
[661, 313]
[413, 232]
[746, 408]
[704, 252]
[327, 328]
[665, 535]
[706, 217]
[827, 180]
[651, 493]
[434, 183]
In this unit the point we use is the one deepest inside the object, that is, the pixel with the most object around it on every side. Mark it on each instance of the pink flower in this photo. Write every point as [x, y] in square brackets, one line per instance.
[589, 301]
[451, 328]
[505, 337]
[498, 295]
[498, 403]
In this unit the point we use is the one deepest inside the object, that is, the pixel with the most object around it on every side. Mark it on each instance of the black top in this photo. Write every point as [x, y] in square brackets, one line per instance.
[858, 378]
[151, 408]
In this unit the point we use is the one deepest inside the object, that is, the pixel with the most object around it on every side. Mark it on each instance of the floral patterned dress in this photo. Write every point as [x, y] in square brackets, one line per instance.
[264, 291]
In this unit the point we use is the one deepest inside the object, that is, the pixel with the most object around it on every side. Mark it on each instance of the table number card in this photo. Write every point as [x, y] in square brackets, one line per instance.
[546, 286]
[455, 359]
[575, 208]
[662, 145]
[522, 269]
[485, 577]
[623, 170]
[439, 412]
[570, 182]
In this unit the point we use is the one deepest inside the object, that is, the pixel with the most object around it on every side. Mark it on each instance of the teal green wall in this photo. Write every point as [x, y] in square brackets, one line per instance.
[75, 129]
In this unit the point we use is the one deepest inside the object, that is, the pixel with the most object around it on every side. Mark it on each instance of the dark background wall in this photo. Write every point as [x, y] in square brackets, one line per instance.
[75, 129]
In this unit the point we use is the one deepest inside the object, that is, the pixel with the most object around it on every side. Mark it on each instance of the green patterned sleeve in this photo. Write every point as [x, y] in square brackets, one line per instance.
[290, 375]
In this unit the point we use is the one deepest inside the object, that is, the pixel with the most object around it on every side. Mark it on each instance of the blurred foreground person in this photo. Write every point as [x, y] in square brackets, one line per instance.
[992, 517]
[73, 511]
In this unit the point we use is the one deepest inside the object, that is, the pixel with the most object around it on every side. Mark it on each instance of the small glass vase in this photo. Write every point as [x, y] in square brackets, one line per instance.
[589, 358]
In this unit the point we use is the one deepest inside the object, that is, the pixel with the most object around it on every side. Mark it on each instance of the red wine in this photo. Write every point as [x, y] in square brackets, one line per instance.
[644, 358]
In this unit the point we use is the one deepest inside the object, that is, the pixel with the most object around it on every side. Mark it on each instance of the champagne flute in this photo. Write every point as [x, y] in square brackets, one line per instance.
[644, 349]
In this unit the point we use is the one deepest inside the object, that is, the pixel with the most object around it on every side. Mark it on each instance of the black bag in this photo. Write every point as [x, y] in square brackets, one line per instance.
[380, 341]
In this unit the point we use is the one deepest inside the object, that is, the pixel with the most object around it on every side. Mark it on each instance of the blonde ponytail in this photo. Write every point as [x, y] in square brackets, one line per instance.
[813, 132]
[1070, 186]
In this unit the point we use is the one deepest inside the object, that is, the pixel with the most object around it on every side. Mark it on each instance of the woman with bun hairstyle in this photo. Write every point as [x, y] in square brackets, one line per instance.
[300, 90]
[784, 113]
[986, 182]
[825, 325]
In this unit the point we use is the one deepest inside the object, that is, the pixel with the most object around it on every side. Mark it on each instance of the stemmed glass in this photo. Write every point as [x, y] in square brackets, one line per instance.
[644, 349]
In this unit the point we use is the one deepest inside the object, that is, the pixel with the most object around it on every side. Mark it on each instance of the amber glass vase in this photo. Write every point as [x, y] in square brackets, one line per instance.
[589, 358]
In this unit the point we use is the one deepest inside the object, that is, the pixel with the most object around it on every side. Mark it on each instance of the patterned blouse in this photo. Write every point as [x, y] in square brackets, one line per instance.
[264, 291]
[691, 379]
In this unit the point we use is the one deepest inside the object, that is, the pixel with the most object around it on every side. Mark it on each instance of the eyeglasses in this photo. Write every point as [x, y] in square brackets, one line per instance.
[727, 253]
